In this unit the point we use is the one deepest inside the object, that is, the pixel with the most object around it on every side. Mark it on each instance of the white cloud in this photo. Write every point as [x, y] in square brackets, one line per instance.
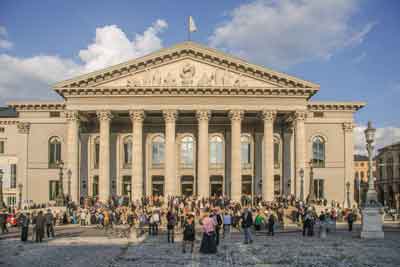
[111, 46]
[30, 78]
[383, 137]
[4, 43]
[284, 33]
[359, 58]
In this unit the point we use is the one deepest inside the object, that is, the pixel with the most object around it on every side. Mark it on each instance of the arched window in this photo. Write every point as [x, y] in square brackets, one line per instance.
[157, 151]
[96, 152]
[245, 150]
[187, 145]
[277, 153]
[318, 148]
[127, 152]
[54, 151]
[216, 150]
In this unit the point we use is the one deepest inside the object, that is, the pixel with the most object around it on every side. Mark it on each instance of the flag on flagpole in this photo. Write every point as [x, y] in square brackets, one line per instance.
[192, 25]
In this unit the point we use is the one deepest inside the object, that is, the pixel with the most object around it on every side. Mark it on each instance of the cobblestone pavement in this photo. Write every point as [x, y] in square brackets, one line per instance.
[94, 248]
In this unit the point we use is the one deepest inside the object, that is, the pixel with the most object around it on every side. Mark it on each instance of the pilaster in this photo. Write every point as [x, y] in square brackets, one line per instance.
[105, 117]
[170, 157]
[73, 152]
[137, 117]
[236, 117]
[203, 117]
[268, 117]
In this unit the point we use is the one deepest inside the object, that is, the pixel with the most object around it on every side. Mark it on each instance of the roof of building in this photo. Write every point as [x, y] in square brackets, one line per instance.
[7, 112]
[360, 158]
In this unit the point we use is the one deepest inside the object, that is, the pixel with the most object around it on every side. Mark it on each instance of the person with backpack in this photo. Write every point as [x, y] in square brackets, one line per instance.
[271, 224]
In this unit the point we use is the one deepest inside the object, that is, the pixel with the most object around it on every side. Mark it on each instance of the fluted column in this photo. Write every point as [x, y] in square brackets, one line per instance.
[170, 157]
[104, 117]
[236, 117]
[203, 179]
[348, 164]
[268, 182]
[300, 117]
[73, 154]
[137, 117]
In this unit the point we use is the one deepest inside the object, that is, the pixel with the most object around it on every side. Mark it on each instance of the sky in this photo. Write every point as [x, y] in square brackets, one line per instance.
[349, 47]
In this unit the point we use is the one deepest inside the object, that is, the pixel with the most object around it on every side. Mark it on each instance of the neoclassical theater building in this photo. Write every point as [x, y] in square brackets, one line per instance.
[185, 120]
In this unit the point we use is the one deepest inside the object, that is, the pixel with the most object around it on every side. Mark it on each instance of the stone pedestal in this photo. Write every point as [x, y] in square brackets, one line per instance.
[372, 223]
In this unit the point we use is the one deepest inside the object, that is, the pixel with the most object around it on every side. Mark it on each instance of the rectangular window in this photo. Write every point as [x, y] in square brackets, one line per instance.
[13, 176]
[11, 201]
[54, 189]
[276, 155]
[96, 155]
[127, 154]
[319, 188]
[2, 147]
[126, 185]
[54, 114]
[2, 129]
[95, 186]
[245, 153]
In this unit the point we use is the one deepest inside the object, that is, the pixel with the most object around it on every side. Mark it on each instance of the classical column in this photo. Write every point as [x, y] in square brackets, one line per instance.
[22, 171]
[236, 117]
[300, 117]
[73, 152]
[104, 117]
[203, 177]
[268, 170]
[287, 161]
[348, 163]
[137, 117]
[170, 156]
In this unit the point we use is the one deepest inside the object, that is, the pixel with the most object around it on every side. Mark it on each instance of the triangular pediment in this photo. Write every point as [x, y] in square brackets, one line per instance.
[186, 64]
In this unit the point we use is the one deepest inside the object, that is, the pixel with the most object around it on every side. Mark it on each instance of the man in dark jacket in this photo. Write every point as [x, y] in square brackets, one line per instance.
[3, 221]
[350, 220]
[40, 222]
[247, 222]
[171, 222]
[24, 223]
[271, 223]
[49, 223]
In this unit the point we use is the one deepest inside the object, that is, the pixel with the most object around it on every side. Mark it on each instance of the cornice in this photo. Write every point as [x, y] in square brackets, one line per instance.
[37, 106]
[191, 50]
[335, 106]
[8, 122]
[186, 91]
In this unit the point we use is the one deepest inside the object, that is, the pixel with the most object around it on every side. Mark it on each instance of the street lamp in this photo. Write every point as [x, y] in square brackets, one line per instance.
[20, 195]
[301, 172]
[2, 205]
[60, 198]
[371, 214]
[69, 174]
[348, 194]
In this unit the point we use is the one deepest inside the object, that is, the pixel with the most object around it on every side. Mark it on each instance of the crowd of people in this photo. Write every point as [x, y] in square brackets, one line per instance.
[215, 217]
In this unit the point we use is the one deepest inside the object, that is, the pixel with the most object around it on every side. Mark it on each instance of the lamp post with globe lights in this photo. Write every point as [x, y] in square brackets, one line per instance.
[20, 186]
[60, 198]
[372, 211]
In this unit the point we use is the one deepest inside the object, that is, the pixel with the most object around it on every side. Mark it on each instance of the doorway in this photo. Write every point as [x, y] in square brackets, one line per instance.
[216, 185]
[187, 186]
[157, 185]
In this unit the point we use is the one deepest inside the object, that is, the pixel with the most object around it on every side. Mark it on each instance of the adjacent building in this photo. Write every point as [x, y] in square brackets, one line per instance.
[186, 120]
[388, 175]
[361, 177]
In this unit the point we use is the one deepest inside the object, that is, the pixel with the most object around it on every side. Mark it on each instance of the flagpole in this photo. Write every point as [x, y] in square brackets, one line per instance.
[188, 28]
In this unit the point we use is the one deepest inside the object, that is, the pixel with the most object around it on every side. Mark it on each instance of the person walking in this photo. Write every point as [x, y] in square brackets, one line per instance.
[189, 233]
[350, 220]
[24, 223]
[227, 223]
[171, 221]
[247, 222]
[82, 217]
[3, 221]
[271, 224]
[218, 223]
[49, 224]
[33, 220]
[208, 242]
[258, 221]
[40, 223]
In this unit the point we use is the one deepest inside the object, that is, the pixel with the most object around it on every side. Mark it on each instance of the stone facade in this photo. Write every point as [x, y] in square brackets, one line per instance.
[183, 120]
[388, 175]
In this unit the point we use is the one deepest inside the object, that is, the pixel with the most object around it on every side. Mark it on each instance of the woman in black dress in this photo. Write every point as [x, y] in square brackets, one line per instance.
[189, 233]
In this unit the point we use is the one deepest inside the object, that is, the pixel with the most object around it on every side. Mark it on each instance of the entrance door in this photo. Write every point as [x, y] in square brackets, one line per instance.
[187, 186]
[157, 185]
[216, 186]
[246, 185]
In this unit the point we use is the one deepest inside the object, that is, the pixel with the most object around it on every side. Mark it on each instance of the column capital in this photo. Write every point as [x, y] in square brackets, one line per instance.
[104, 115]
[300, 115]
[348, 127]
[24, 127]
[72, 115]
[236, 115]
[170, 115]
[136, 115]
[203, 115]
[268, 115]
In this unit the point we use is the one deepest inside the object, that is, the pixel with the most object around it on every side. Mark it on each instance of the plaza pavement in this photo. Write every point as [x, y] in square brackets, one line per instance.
[93, 247]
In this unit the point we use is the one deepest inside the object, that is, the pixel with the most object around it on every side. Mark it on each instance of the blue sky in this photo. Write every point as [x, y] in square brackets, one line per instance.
[349, 47]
